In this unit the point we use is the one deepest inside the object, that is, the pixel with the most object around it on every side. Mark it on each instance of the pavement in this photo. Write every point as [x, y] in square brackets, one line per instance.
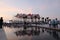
[2, 35]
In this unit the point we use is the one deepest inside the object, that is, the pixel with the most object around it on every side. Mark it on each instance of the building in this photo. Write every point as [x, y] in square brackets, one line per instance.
[26, 17]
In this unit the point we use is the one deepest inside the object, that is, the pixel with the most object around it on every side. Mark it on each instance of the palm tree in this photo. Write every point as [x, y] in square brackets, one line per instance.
[35, 17]
[42, 19]
[24, 18]
[56, 18]
[31, 18]
[35, 22]
[47, 18]
[38, 18]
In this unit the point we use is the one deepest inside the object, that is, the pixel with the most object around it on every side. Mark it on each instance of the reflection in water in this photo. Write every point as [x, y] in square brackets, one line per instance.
[30, 34]
[27, 32]
[42, 30]
[54, 34]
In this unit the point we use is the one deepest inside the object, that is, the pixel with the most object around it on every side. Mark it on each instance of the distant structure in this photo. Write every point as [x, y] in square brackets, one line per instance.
[20, 17]
[26, 17]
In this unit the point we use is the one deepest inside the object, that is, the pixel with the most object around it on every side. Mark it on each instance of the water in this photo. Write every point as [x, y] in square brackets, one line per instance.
[19, 34]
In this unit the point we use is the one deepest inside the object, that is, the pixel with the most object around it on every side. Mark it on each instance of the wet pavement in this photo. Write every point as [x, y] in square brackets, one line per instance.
[2, 35]
[29, 34]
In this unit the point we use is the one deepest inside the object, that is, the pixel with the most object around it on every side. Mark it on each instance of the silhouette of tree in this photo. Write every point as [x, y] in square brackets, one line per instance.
[1, 22]
[42, 19]
[38, 17]
[47, 18]
[35, 18]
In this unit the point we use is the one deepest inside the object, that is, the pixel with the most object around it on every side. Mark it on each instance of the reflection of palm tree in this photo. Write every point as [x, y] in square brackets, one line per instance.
[55, 35]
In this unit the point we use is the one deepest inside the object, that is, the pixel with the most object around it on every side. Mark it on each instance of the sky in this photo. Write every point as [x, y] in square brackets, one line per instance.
[46, 8]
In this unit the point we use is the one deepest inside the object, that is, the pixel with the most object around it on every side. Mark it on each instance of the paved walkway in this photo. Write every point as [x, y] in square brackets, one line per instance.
[2, 35]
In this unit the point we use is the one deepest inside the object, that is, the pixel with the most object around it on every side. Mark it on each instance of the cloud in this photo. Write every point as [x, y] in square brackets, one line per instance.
[43, 7]
[5, 10]
[50, 4]
[56, 4]
[26, 11]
